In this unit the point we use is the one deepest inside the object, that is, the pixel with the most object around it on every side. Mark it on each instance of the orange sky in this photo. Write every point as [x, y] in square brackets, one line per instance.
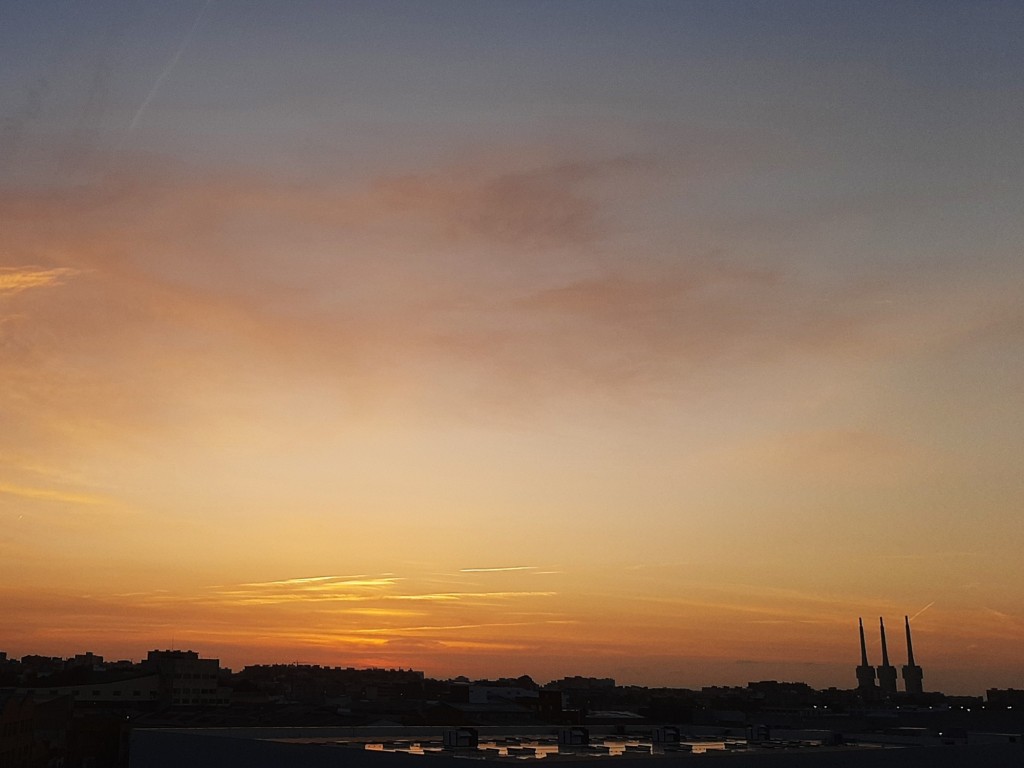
[564, 363]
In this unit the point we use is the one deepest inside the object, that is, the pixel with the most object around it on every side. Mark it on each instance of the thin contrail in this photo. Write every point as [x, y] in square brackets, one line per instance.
[500, 568]
[922, 610]
[170, 66]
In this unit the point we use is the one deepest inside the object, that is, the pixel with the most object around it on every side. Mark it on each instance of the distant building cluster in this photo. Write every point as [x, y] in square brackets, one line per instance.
[86, 712]
[913, 675]
[165, 678]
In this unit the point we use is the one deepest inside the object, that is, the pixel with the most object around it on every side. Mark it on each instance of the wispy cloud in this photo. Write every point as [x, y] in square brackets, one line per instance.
[310, 589]
[428, 628]
[537, 315]
[483, 645]
[366, 590]
[1010, 620]
[51, 494]
[448, 596]
[17, 279]
[499, 568]
[301, 580]
[314, 583]
[543, 206]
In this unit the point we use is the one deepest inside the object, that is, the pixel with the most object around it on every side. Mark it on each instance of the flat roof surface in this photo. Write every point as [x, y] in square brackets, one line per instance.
[546, 746]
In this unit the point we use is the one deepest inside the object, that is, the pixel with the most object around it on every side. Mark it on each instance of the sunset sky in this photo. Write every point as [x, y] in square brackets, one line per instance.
[650, 340]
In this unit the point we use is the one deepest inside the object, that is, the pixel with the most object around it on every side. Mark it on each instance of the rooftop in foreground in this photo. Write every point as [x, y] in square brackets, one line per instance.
[437, 748]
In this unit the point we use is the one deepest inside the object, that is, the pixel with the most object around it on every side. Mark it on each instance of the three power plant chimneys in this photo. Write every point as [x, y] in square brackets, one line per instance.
[886, 672]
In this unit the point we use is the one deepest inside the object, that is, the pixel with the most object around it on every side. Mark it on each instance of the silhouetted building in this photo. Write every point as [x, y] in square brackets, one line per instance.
[913, 675]
[16, 738]
[461, 738]
[865, 672]
[88, 660]
[1005, 697]
[577, 683]
[187, 680]
[886, 671]
[104, 688]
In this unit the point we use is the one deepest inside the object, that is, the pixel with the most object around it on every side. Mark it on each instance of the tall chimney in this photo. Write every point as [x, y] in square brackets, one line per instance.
[910, 643]
[885, 650]
[863, 647]
[886, 671]
[865, 672]
[913, 675]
